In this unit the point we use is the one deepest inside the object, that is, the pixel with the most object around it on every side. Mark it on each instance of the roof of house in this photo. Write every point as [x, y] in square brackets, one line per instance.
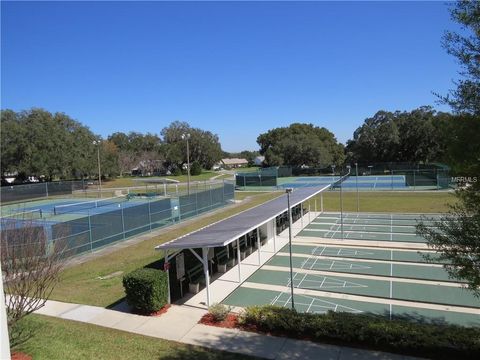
[234, 161]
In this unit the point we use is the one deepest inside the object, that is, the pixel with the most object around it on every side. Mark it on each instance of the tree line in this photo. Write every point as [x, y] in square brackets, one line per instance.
[55, 146]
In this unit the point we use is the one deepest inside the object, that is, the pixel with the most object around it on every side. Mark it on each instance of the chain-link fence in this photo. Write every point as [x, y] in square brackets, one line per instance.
[85, 229]
[16, 193]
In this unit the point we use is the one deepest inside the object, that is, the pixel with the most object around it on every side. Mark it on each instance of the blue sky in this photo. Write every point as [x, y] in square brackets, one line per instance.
[234, 68]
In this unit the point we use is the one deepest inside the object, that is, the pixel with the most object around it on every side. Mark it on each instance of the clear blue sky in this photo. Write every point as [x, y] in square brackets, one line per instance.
[234, 68]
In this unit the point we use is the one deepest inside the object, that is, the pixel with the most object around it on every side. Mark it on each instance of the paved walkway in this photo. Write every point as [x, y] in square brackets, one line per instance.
[180, 323]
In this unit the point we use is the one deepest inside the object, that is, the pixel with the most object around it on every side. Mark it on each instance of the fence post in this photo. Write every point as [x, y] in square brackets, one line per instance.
[150, 214]
[414, 182]
[123, 223]
[46, 189]
[90, 232]
[223, 192]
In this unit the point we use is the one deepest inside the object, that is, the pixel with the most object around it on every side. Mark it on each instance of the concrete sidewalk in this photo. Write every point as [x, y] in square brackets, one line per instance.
[180, 323]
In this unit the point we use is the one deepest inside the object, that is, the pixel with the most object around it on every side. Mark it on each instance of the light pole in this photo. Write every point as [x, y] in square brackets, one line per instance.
[288, 191]
[97, 143]
[186, 137]
[356, 183]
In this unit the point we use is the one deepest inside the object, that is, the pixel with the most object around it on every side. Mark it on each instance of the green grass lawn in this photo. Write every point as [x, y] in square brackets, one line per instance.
[385, 201]
[80, 283]
[64, 339]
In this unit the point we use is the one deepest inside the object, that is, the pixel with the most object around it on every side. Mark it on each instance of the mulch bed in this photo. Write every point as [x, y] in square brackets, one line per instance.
[21, 356]
[230, 322]
[163, 310]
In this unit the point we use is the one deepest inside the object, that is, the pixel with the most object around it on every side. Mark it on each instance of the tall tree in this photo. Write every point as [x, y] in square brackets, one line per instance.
[300, 144]
[415, 136]
[204, 146]
[466, 48]
[457, 236]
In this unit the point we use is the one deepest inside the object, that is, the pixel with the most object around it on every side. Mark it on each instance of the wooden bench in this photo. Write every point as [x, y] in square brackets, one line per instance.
[223, 261]
[195, 277]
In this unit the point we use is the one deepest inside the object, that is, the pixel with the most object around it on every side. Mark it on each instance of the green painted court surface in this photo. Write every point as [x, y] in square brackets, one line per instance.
[385, 269]
[377, 273]
[363, 253]
[374, 227]
[244, 296]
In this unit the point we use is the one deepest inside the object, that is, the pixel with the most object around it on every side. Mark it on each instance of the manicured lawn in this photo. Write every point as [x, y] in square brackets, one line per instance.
[384, 201]
[80, 283]
[64, 339]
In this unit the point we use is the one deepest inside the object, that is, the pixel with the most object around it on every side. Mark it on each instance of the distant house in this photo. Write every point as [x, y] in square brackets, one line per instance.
[149, 168]
[233, 163]
[259, 160]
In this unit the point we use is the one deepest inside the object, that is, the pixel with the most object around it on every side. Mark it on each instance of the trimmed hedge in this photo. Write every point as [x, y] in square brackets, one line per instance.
[421, 339]
[146, 289]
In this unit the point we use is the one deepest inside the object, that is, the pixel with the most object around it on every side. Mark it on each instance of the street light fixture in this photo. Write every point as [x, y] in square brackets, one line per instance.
[187, 137]
[97, 143]
[289, 211]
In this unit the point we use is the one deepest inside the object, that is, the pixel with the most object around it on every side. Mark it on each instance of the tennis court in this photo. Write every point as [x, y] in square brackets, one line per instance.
[85, 224]
[380, 182]
[394, 281]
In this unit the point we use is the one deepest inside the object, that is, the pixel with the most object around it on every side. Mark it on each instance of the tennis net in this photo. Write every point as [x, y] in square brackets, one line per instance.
[25, 215]
[86, 205]
[338, 183]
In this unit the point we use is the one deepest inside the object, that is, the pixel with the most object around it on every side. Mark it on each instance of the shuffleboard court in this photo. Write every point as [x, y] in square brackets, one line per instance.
[421, 272]
[435, 294]
[245, 296]
[363, 228]
[356, 235]
[354, 221]
[363, 253]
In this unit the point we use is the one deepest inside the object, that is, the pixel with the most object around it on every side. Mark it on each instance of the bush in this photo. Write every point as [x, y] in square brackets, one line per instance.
[219, 311]
[195, 168]
[146, 289]
[422, 339]
[177, 172]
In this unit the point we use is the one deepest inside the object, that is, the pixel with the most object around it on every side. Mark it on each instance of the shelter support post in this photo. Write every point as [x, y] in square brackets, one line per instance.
[258, 247]
[239, 260]
[207, 275]
[301, 215]
[274, 236]
[167, 269]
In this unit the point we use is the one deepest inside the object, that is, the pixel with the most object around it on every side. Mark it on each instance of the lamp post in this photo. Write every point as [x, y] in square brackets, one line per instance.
[356, 183]
[97, 143]
[288, 191]
[186, 137]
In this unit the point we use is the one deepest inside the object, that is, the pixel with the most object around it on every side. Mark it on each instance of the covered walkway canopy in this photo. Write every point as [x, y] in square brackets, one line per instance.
[228, 230]
[225, 232]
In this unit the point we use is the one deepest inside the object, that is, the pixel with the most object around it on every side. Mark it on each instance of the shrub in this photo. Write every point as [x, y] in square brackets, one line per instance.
[423, 339]
[219, 311]
[146, 289]
[195, 169]
[177, 172]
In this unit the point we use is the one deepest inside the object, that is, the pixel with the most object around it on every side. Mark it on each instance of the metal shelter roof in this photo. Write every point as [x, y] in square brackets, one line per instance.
[228, 230]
